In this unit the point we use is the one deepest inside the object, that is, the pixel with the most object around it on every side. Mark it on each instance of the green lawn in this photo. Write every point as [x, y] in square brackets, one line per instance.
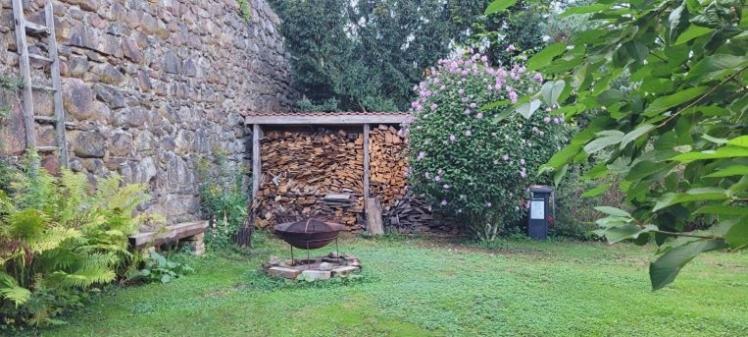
[420, 288]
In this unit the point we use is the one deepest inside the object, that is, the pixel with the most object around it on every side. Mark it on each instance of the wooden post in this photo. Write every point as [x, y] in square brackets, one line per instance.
[256, 160]
[57, 85]
[367, 128]
[23, 61]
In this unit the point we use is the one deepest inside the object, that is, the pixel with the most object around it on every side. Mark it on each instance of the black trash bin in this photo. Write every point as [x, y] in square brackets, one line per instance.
[540, 214]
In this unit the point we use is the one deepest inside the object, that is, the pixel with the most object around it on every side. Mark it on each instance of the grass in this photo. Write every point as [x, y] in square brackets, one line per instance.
[412, 287]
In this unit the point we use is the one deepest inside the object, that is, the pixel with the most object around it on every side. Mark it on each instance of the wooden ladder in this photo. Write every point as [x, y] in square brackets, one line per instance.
[30, 119]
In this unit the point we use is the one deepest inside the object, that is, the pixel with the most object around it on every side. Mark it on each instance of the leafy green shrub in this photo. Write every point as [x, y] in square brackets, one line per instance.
[471, 161]
[678, 138]
[575, 208]
[158, 268]
[223, 198]
[60, 238]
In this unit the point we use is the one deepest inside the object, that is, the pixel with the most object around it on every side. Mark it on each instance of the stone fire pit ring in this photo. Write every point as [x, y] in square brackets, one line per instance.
[314, 269]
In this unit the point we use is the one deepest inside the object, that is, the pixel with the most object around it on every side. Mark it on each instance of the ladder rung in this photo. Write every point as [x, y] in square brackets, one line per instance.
[40, 57]
[35, 28]
[45, 119]
[46, 149]
[52, 120]
[43, 87]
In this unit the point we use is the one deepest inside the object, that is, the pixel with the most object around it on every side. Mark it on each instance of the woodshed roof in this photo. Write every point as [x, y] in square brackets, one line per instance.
[326, 118]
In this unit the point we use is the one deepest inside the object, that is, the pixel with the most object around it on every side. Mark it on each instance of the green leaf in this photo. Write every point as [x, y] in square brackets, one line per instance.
[494, 105]
[737, 235]
[636, 133]
[498, 6]
[607, 138]
[664, 270]
[545, 56]
[694, 194]
[662, 104]
[564, 156]
[723, 152]
[527, 109]
[691, 33]
[676, 19]
[734, 170]
[626, 232]
[646, 168]
[722, 210]
[593, 8]
[551, 91]
[741, 141]
[613, 211]
[596, 191]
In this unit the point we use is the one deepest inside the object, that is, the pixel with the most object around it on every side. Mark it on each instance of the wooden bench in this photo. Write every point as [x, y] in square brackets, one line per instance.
[193, 233]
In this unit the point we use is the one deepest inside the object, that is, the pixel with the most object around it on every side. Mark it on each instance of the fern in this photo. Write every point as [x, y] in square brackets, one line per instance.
[61, 236]
[10, 290]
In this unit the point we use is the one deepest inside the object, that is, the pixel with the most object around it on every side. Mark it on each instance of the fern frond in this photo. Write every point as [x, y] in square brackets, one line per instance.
[85, 277]
[52, 239]
[10, 290]
[74, 196]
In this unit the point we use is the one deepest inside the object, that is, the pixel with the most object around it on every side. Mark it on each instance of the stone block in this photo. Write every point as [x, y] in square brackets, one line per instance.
[285, 272]
[78, 98]
[89, 144]
[344, 270]
[315, 275]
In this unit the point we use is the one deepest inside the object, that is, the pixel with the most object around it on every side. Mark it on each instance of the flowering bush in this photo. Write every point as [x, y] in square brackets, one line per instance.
[474, 161]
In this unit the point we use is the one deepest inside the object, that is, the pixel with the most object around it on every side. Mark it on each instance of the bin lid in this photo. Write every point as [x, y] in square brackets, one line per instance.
[541, 189]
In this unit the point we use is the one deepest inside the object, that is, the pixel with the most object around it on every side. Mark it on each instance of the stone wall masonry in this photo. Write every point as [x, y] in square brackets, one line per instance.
[150, 86]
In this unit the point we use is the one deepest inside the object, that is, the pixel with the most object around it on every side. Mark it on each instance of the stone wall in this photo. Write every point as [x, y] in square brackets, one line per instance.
[152, 86]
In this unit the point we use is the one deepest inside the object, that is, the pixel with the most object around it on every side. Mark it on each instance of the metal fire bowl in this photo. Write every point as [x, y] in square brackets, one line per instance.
[310, 240]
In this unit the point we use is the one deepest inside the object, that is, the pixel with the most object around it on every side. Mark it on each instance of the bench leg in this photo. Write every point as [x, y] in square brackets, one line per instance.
[196, 244]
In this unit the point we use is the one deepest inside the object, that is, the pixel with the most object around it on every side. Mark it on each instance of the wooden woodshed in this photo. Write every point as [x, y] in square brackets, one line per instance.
[326, 164]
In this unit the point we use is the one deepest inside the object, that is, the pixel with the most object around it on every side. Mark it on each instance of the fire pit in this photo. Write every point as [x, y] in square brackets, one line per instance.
[308, 234]
[311, 234]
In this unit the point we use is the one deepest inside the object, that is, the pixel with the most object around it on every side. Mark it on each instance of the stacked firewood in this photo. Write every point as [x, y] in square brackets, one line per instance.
[410, 214]
[389, 165]
[300, 168]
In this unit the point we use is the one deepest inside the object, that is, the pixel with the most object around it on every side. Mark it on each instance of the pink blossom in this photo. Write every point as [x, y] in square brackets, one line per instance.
[547, 120]
[479, 115]
[538, 77]
[505, 157]
[434, 106]
[446, 186]
[522, 174]
[444, 202]
[437, 178]
[473, 105]
[510, 48]
[452, 138]
[557, 120]
[489, 204]
[522, 161]
[513, 96]
[421, 155]
[468, 133]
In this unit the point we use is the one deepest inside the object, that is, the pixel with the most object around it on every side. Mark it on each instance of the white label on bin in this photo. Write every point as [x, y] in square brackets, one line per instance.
[537, 210]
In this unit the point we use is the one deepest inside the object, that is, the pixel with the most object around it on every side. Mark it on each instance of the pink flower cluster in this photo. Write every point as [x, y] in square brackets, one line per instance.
[453, 72]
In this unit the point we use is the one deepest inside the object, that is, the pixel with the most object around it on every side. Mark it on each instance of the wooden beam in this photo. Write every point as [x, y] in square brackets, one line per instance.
[367, 129]
[171, 233]
[256, 160]
[57, 85]
[23, 61]
[332, 119]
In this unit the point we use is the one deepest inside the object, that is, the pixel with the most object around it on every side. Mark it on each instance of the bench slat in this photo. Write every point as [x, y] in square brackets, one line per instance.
[168, 234]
